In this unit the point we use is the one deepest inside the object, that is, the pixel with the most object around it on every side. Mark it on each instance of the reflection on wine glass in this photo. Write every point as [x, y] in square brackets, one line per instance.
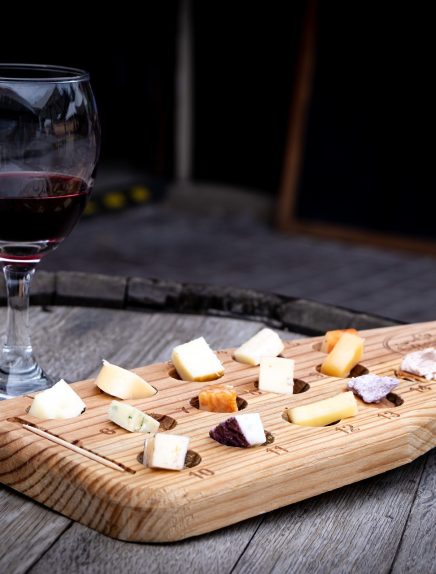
[49, 144]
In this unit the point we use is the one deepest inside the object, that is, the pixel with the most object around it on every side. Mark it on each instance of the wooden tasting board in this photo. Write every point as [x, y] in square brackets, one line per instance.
[229, 484]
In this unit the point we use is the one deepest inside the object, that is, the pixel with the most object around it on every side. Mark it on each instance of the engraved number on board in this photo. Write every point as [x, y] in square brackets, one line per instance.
[106, 430]
[388, 415]
[348, 429]
[254, 392]
[202, 473]
[421, 388]
[276, 449]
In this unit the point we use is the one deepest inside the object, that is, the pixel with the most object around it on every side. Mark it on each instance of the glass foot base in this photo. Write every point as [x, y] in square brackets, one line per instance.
[13, 384]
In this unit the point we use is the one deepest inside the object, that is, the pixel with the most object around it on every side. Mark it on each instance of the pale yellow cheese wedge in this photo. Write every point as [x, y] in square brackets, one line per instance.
[58, 402]
[265, 343]
[344, 356]
[195, 361]
[324, 412]
[276, 375]
[122, 383]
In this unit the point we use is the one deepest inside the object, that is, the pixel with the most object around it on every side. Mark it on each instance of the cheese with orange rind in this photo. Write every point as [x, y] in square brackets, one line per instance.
[332, 337]
[218, 399]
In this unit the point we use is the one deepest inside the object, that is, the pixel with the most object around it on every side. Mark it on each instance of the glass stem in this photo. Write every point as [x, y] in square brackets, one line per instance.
[17, 351]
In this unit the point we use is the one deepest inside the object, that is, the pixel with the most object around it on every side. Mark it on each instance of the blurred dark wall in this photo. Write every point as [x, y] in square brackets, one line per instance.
[369, 148]
[131, 59]
[370, 145]
[244, 62]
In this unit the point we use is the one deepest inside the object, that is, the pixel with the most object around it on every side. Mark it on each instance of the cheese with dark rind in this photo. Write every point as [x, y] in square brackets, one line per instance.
[241, 431]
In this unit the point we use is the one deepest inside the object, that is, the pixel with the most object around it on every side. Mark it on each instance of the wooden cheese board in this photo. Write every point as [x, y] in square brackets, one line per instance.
[220, 485]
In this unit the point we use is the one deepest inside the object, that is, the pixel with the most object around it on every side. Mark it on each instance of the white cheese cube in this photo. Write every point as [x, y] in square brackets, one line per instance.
[122, 383]
[266, 343]
[195, 361]
[131, 418]
[58, 402]
[252, 428]
[276, 375]
[167, 451]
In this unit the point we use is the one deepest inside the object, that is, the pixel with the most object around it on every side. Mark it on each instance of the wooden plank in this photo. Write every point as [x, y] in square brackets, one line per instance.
[417, 549]
[150, 505]
[85, 550]
[27, 530]
[354, 529]
[69, 343]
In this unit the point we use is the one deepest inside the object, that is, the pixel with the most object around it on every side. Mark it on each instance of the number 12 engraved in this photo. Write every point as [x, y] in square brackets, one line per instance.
[202, 473]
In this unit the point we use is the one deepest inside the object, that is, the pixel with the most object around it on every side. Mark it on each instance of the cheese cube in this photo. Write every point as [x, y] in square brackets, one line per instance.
[218, 399]
[332, 337]
[122, 383]
[241, 430]
[324, 412]
[266, 343]
[276, 375]
[344, 356]
[167, 451]
[58, 402]
[131, 418]
[195, 361]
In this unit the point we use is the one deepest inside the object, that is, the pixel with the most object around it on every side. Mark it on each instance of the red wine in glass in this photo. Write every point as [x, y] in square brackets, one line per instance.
[49, 145]
[37, 211]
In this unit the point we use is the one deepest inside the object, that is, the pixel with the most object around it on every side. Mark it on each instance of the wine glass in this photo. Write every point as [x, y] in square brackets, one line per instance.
[49, 145]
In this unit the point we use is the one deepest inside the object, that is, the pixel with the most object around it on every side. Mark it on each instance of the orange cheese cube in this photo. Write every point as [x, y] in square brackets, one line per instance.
[332, 337]
[218, 399]
[344, 356]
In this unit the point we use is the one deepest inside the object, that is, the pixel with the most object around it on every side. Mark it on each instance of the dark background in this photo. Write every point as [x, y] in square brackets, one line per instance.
[369, 146]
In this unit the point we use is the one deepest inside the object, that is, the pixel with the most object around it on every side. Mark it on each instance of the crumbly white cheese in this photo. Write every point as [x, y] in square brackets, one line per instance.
[166, 451]
[422, 363]
[132, 419]
[276, 375]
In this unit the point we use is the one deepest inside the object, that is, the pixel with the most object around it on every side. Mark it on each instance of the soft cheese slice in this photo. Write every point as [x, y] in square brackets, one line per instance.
[344, 356]
[324, 412]
[266, 343]
[167, 451]
[131, 418]
[195, 361]
[276, 375]
[122, 383]
[58, 402]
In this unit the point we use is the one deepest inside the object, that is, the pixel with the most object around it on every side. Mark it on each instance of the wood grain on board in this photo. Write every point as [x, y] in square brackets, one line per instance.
[229, 484]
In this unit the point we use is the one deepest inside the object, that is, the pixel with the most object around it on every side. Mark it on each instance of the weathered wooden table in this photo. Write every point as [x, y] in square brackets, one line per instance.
[383, 524]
